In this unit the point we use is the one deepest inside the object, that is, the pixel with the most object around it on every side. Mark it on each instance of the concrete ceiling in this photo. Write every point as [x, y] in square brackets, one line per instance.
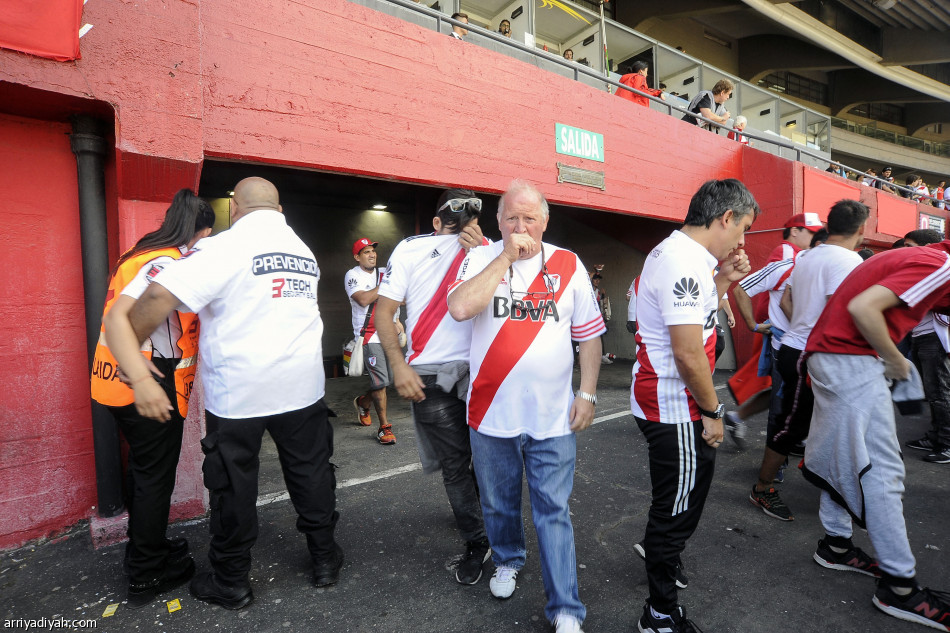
[774, 36]
[925, 15]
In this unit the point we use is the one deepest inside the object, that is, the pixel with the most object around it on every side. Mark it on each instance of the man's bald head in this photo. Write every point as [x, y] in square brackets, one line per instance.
[253, 194]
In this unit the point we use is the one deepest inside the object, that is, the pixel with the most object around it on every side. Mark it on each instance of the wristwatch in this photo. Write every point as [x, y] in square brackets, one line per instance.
[591, 398]
[716, 414]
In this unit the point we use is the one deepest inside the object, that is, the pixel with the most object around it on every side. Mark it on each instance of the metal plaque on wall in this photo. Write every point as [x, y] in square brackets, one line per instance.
[578, 176]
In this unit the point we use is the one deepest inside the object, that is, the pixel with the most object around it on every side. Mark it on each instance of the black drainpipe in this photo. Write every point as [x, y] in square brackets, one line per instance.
[89, 146]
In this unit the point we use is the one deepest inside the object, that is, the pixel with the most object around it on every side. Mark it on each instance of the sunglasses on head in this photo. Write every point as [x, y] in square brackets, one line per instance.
[457, 204]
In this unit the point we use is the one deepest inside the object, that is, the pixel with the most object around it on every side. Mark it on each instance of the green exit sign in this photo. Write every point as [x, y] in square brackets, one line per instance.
[574, 141]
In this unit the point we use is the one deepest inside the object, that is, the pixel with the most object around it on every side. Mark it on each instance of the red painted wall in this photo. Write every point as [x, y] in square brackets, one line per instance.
[46, 436]
[349, 89]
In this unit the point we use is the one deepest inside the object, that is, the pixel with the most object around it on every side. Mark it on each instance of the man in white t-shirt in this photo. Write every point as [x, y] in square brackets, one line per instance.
[527, 300]
[433, 373]
[362, 285]
[673, 397]
[254, 287]
[817, 274]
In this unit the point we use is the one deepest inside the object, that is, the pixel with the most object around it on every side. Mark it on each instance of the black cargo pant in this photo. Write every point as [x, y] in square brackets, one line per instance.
[304, 440]
[681, 472]
[154, 448]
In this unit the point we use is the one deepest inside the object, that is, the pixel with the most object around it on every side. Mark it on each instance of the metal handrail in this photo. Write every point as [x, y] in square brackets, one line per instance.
[579, 69]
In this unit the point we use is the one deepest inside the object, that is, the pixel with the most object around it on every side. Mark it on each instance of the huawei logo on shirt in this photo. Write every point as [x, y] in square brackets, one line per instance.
[687, 291]
[685, 287]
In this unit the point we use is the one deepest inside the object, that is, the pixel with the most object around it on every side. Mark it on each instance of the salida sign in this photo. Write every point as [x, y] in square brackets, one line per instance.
[574, 141]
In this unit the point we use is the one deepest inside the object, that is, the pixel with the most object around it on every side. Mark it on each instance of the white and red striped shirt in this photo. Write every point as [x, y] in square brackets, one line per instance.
[521, 357]
[771, 278]
[676, 288]
[420, 270]
[920, 276]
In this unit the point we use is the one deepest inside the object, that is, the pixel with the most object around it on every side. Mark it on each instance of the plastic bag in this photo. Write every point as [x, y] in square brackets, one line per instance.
[353, 357]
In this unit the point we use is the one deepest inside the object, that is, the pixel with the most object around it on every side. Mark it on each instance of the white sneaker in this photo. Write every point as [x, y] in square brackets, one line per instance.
[605, 360]
[565, 623]
[502, 582]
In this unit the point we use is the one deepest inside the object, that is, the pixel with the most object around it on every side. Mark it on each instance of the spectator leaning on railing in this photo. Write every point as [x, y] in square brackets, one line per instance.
[709, 104]
[883, 182]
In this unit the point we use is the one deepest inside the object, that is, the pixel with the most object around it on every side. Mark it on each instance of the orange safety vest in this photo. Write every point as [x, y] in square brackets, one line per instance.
[107, 389]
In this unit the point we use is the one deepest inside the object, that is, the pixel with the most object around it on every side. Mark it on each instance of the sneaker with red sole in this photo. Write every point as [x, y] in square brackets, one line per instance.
[385, 435]
[362, 414]
[771, 504]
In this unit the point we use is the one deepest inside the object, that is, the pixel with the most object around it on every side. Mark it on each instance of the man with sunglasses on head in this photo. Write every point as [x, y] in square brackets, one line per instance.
[433, 374]
[526, 301]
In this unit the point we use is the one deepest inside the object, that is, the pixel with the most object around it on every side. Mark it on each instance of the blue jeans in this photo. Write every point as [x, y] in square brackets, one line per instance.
[549, 467]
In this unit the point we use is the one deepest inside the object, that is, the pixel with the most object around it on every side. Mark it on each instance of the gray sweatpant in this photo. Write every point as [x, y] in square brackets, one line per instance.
[853, 447]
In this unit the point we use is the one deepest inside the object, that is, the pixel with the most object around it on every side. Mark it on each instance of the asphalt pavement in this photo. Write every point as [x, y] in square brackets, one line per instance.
[747, 572]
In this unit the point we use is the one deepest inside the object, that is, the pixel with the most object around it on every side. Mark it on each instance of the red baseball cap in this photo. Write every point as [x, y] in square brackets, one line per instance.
[362, 243]
[808, 221]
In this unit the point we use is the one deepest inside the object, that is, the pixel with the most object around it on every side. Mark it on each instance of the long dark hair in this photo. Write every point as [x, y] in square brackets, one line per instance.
[186, 215]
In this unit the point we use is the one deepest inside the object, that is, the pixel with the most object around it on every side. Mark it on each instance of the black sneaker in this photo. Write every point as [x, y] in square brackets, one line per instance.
[938, 457]
[679, 576]
[923, 444]
[676, 622]
[771, 504]
[174, 574]
[855, 559]
[209, 588]
[923, 606]
[469, 570]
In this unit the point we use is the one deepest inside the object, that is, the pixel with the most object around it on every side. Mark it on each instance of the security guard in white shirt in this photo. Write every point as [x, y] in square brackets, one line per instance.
[254, 288]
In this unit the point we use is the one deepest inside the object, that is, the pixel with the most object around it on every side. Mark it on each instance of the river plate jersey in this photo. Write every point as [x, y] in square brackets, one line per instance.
[521, 357]
[420, 271]
[676, 288]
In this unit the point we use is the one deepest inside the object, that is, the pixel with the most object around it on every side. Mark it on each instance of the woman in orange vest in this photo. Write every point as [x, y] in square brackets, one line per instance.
[154, 563]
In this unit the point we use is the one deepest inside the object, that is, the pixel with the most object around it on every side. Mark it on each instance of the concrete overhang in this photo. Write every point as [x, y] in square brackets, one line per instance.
[826, 37]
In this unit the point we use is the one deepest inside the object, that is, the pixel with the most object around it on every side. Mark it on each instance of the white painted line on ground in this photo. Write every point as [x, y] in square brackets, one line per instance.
[392, 472]
[274, 497]
[612, 416]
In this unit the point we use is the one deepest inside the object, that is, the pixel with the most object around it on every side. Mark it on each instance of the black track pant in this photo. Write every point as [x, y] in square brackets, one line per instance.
[681, 472]
[304, 440]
